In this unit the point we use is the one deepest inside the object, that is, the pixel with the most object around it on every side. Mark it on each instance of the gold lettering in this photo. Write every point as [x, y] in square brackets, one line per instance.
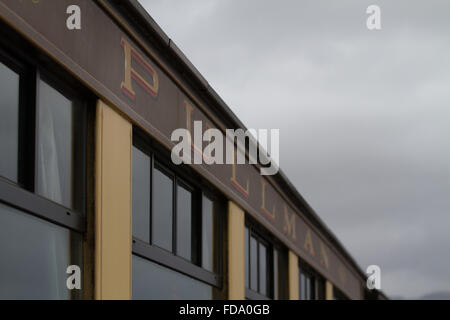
[289, 223]
[130, 73]
[323, 255]
[244, 191]
[270, 215]
[308, 243]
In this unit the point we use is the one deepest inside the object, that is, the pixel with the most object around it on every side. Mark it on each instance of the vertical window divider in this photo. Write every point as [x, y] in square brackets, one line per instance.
[200, 226]
[218, 229]
[257, 266]
[27, 128]
[197, 213]
[36, 108]
[174, 214]
[152, 168]
[270, 274]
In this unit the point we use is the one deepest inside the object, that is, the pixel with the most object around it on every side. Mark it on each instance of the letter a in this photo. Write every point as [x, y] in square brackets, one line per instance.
[74, 20]
[374, 20]
[74, 280]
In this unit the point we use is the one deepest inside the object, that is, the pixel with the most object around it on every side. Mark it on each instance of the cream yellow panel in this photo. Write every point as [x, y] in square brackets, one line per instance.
[236, 266]
[329, 291]
[113, 205]
[293, 276]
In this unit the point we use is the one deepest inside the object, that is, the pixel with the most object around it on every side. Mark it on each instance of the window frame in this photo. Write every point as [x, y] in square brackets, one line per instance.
[26, 115]
[314, 277]
[79, 186]
[271, 243]
[30, 64]
[185, 177]
[21, 194]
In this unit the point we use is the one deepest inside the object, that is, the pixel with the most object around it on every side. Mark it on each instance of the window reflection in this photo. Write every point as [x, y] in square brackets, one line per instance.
[262, 269]
[9, 123]
[307, 286]
[55, 147]
[302, 286]
[207, 234]
[162, 210]
[141, 195]
[34, 257]
[184, 223]
[154, 282]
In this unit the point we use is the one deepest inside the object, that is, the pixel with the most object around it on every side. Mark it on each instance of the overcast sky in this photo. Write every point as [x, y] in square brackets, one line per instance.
[364, 115]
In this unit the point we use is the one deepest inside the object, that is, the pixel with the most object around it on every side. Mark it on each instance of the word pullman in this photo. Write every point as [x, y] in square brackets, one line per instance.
[234, 148]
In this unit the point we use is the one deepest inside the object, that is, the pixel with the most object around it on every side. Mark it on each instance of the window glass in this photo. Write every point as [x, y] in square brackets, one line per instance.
[35, 255]
[154, 282]
[253, 264]
[9, 123]
[141, 195]
[302, 286]
[55, 167]
[262, 269]
[246, 257]
[207, 234]
[308, 287]
[162, 210]
[184, 223]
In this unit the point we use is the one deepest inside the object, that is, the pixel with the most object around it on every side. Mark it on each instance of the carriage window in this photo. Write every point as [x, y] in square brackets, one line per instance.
[154, 282]
[265, 265]
[141, 195]
[184, 223]
[175, 226]
[59, 138]
[311, 284]
[253, 264]
[207, 234]
[162, 210]
[42, 213]
[9, 123]
[37, 254]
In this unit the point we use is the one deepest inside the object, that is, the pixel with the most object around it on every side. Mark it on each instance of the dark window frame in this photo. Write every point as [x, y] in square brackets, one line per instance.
[30, 64]
[26, 115]
[262, 236]
[185, 177]
[315, 278]
[22, 193]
